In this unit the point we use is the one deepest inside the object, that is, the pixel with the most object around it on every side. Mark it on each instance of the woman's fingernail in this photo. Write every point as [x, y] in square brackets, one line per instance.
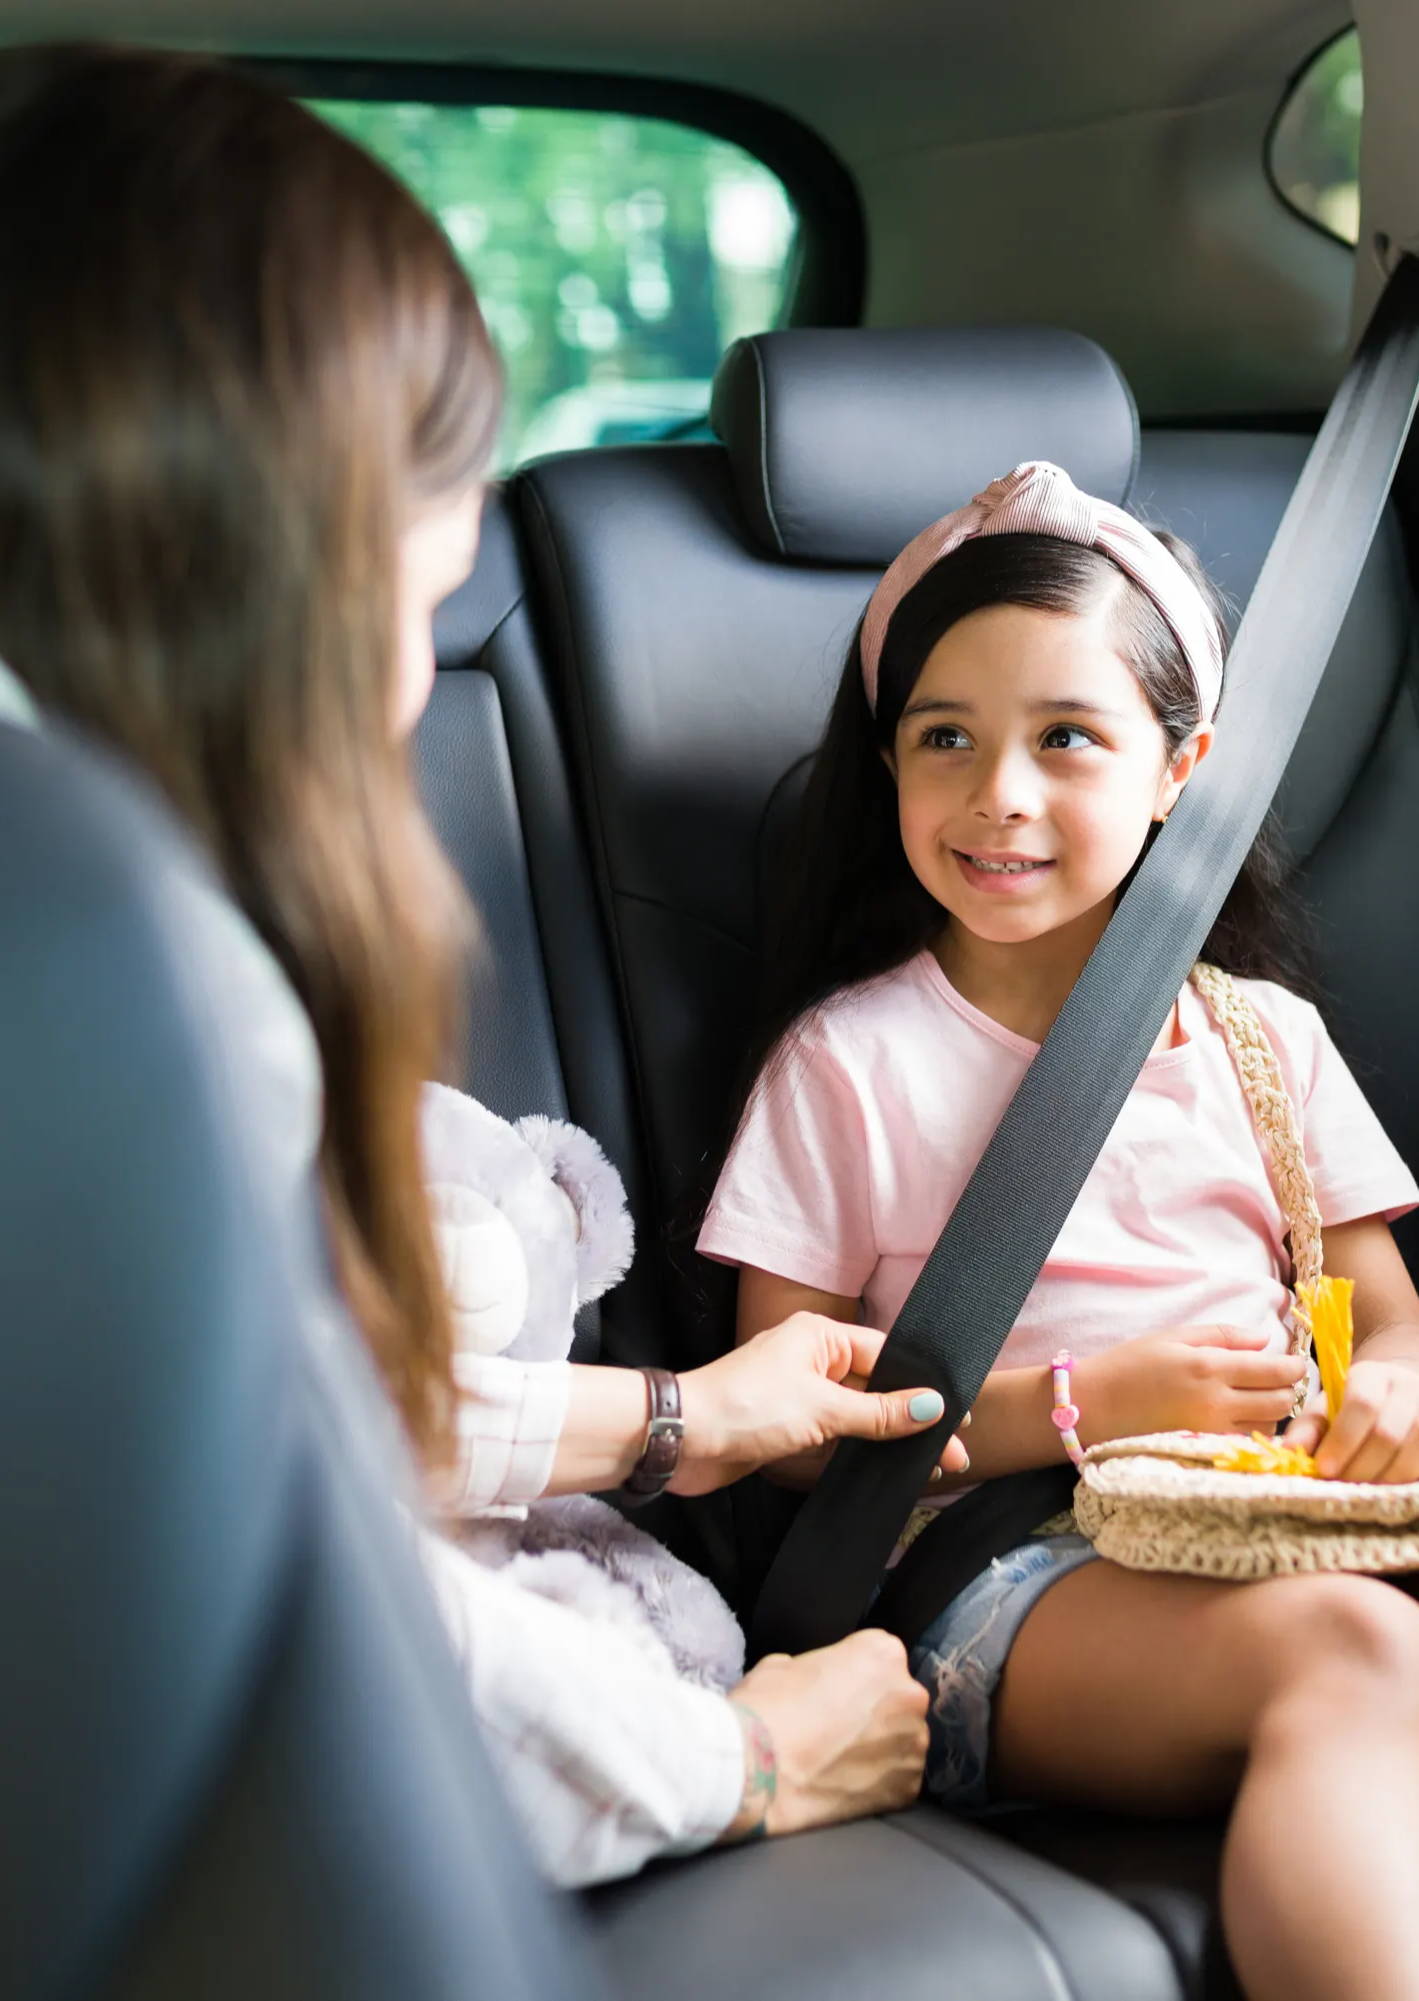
[926, 1406]
[965, 1421]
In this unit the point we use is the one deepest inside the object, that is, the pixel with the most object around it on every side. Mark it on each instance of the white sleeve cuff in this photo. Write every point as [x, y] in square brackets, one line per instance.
[509, 1419]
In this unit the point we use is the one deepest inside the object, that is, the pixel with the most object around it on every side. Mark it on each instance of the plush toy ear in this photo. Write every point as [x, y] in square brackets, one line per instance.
[606, 1238]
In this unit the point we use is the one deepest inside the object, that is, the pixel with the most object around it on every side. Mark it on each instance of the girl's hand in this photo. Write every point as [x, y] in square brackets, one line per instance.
[1187, 1379]
[785, 1393]
[1376, 1435]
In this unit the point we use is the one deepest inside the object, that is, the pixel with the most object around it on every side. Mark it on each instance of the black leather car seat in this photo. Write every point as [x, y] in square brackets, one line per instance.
[543, 1021]
[239, 1758]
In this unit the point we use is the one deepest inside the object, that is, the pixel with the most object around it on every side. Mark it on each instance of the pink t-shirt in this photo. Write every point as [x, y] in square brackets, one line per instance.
[858, 1143]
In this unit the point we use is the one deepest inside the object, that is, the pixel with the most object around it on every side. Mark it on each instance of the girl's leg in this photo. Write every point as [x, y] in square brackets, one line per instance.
[1301, 1696]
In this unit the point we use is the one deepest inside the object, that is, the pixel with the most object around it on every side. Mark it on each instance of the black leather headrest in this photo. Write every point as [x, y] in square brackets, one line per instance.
[845, 443]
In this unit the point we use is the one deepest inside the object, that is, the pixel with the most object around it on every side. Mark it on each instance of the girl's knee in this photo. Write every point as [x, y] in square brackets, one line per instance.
[1347, 1630]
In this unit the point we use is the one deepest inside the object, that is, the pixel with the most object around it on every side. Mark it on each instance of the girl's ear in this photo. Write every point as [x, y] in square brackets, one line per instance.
[1175, 778]
[889, 758]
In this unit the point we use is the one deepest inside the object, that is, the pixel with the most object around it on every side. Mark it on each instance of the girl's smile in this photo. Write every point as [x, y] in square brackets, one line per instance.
[1001, 873]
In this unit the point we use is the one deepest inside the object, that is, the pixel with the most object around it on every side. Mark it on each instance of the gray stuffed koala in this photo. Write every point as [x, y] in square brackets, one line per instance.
[531, 1224]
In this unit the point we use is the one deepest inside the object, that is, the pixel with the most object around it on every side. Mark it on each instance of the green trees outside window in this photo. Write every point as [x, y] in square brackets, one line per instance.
[615, 257]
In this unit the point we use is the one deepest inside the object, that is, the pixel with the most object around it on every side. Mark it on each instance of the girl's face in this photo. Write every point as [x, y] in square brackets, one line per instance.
[1029, 766]
[435, 556]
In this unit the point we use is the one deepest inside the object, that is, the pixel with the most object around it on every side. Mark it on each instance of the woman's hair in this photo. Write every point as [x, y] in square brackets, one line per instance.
[235, 359]
[850, 907]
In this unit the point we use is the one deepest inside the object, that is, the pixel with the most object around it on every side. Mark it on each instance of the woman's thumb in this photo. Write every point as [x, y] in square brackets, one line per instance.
[895, 1415]
[924, 1408]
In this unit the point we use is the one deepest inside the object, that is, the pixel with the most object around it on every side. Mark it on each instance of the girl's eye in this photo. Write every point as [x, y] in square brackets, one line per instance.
[944, 736]
[1067, 736]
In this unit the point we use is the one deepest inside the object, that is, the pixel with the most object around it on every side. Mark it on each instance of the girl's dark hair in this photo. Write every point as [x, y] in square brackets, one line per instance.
[235, 356]
[850, 908]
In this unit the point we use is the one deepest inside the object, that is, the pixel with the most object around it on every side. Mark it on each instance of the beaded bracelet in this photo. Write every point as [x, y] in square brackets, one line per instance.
[1066, 1412]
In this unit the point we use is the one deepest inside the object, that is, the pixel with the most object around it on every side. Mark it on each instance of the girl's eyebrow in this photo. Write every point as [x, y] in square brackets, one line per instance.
[1051, 705]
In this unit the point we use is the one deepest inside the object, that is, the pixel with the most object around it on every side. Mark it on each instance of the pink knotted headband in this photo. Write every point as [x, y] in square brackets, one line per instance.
[1040, 499]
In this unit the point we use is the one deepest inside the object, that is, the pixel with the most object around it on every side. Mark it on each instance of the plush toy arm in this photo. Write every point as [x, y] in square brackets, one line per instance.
[484, 1267]
[606, 1236]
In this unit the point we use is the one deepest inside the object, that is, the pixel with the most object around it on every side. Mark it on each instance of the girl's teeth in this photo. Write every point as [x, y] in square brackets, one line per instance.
[1004, 868]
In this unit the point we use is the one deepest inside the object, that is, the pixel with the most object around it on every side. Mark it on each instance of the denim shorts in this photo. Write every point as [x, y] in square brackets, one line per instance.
[961, 1655]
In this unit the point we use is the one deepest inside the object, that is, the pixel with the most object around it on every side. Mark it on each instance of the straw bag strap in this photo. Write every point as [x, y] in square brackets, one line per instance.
[1278, 1127]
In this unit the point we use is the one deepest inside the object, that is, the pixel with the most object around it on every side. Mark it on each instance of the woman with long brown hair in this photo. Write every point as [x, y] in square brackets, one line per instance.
[247, 402]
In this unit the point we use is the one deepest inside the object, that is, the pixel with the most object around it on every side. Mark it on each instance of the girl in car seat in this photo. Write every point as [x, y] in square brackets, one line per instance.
[1033, 684]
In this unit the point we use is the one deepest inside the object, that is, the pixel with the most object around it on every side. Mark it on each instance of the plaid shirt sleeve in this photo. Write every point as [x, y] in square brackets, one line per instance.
[608, 1758]
[510, 1416]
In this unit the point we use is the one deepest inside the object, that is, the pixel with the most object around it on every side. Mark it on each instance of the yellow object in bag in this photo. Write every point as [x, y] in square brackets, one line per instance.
[1260, 1454]
[1331, 1307]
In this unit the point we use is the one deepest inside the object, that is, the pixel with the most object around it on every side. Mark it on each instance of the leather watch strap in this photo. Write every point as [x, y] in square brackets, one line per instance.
[664, 1436]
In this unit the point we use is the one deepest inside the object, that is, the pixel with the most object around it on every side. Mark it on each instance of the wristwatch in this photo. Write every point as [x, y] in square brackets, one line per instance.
[664, 1436]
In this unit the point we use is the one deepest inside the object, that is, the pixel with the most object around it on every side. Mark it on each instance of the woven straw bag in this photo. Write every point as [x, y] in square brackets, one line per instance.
[1157, 1502]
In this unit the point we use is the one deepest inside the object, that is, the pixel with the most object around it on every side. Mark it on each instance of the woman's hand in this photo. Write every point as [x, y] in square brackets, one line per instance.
[848, 1728]
[1186, 1379]
[785, 1393]
[1376, 1435]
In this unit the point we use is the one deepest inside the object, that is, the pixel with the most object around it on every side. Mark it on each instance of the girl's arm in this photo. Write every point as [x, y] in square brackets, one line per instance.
[1376, 1435]
[765, 1299]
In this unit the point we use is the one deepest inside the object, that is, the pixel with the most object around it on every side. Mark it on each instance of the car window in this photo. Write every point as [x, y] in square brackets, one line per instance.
[1315, 141]
[615, 257]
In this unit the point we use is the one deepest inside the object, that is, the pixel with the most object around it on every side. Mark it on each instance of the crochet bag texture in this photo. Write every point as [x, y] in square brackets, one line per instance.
[1159, 1502]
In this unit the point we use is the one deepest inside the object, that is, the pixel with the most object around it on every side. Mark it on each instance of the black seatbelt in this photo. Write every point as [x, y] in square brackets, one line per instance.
[965, 1302]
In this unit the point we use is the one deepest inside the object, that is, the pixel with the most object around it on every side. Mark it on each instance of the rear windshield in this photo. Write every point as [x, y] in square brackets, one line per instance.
[616, 257]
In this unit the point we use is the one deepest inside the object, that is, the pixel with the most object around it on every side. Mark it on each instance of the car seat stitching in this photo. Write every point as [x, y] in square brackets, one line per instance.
[707, 924]
[764, 447]
[470, 662]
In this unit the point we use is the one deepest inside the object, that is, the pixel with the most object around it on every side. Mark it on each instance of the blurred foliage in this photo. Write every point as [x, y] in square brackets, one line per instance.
[1315, 147]
[606, 249]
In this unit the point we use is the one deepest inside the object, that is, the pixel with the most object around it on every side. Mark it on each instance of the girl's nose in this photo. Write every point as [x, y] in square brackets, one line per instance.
[1006, 789]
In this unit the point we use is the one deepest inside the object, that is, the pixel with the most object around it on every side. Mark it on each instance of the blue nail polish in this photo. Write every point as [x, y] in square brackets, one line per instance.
[926, 1406]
